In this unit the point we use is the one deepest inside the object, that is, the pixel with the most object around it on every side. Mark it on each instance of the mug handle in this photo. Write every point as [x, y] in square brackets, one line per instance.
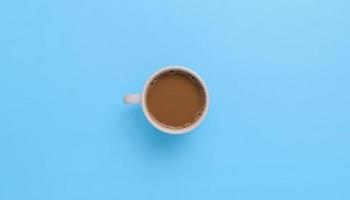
[132, 99]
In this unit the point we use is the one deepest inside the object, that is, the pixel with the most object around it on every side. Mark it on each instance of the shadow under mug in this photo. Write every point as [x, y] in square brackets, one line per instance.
[140, 99]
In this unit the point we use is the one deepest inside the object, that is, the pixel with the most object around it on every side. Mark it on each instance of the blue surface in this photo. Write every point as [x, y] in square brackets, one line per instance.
[279, 121]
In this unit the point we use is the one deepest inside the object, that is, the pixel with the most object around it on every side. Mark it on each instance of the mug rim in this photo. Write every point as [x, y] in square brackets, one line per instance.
[153, 121]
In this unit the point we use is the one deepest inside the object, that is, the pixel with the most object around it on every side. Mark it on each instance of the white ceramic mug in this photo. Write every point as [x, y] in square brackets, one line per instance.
[141, 99]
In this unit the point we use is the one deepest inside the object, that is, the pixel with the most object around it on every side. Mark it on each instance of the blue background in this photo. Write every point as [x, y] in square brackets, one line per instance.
[278, 74]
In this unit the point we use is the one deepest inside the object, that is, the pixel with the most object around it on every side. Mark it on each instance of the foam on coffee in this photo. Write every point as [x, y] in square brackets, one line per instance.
[175, 99]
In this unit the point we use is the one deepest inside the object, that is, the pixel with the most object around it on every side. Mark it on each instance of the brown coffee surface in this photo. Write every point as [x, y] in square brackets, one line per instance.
[175, 99]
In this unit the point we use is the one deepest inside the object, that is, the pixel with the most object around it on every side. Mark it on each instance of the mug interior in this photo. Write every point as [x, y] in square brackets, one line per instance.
[157, 124]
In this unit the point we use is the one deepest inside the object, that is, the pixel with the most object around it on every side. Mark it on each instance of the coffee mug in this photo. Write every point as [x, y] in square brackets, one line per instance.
[177, 78]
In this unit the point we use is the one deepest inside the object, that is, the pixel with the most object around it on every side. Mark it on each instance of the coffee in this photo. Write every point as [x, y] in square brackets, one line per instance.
[175, 99]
